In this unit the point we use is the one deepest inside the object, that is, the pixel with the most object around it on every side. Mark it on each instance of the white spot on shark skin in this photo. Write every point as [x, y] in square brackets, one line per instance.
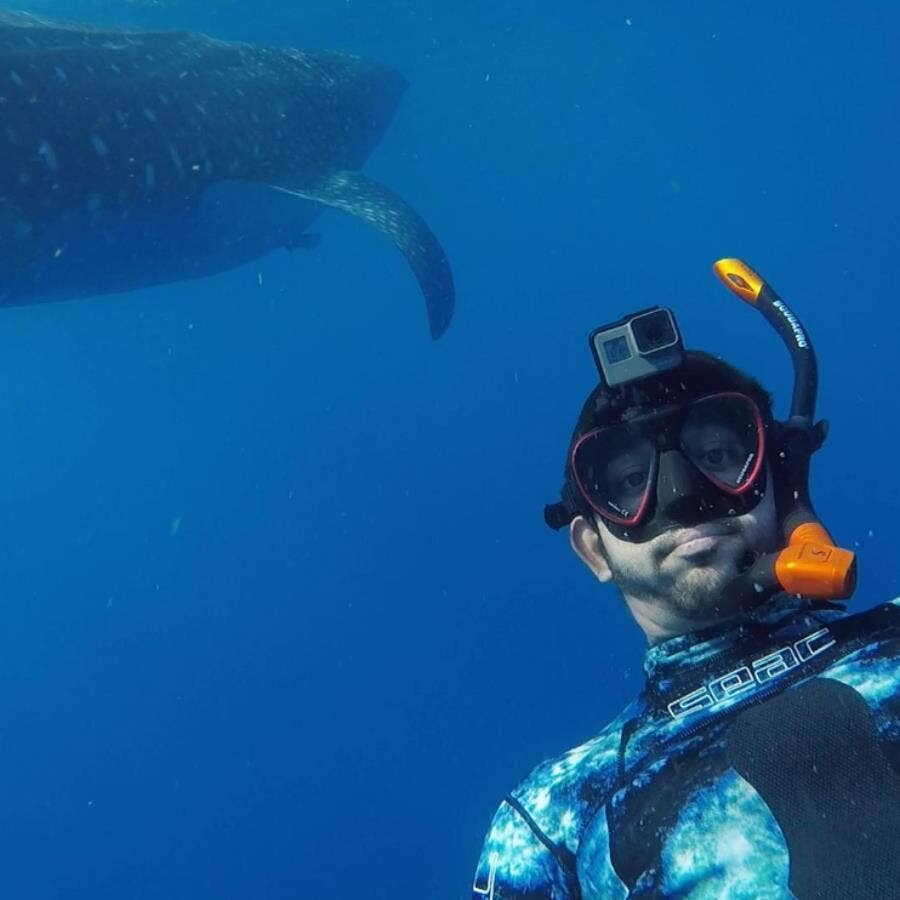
[60, 74]
[45, 150]
[16, 79]
[99, 145]
[149, 115]
[149, 176]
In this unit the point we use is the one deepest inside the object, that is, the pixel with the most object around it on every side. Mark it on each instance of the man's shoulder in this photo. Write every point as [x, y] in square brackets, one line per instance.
[871, 650]
[871, 634]
[561, 794]
[534, 836]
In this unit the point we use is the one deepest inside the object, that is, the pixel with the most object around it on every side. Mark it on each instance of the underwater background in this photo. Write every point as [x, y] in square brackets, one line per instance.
[281, 617]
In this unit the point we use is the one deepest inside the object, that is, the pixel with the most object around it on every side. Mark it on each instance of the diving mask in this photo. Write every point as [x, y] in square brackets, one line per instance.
[676, 465]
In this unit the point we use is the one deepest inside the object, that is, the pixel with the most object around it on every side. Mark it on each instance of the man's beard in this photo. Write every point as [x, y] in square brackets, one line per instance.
[699, 593]
[695, 592]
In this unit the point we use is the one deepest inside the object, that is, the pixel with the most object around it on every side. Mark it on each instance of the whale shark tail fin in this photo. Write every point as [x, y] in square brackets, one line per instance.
[358, 195]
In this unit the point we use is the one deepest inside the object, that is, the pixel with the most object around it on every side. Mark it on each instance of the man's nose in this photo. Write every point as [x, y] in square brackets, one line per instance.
[682, 493]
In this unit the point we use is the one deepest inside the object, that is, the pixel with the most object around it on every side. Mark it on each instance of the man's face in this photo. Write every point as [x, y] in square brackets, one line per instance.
[677, 578]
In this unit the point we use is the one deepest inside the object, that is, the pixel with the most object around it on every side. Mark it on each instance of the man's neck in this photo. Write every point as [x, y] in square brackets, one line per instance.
[660, 621]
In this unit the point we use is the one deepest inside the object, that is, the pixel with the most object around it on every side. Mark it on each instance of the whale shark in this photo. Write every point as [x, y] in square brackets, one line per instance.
[133, 158]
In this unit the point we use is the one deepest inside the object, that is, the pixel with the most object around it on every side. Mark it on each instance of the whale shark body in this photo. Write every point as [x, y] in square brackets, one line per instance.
[133, 158]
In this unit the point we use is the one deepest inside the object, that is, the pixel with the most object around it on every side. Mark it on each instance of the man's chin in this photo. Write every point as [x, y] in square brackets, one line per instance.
[700, 593]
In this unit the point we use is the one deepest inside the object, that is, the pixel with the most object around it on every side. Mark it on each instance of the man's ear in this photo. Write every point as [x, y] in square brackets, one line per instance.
[585, 541]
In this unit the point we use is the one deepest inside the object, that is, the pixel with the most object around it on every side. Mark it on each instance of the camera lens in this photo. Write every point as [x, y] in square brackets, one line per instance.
[654, 331]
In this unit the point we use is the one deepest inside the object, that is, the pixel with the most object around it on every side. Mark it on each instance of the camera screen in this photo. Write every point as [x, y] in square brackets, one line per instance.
[616, 350]
[653, 331]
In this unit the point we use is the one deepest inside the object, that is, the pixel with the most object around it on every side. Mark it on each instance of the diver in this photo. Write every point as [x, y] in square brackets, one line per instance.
[762, 757]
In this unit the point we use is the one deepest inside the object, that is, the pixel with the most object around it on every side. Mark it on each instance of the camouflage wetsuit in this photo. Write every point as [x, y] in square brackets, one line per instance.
[760, 761]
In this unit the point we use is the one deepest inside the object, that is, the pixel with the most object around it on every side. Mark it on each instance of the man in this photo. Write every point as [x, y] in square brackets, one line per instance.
[761, 759]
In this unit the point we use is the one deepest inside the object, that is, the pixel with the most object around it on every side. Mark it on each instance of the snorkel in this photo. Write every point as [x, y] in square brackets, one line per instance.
[810, 564]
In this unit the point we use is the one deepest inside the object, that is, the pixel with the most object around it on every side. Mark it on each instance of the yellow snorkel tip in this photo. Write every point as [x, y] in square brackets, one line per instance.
[739, 278]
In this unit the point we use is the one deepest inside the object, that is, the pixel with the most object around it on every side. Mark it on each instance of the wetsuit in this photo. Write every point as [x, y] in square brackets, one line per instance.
[761, 760]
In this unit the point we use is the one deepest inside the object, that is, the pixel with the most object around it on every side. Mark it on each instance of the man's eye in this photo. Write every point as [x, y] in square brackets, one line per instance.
[719, 456]
[635, 480]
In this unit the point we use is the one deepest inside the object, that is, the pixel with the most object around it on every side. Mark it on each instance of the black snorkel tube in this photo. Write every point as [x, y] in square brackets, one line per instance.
[809, 564]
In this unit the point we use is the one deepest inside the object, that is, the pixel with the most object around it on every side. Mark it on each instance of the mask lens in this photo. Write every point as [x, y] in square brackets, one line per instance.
[722, 436]
[615, 469]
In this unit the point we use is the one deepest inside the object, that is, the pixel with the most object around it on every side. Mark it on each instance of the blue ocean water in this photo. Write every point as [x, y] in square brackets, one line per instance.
[281, 616]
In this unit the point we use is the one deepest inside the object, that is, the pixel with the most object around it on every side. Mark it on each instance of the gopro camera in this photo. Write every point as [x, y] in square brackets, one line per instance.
[640, 345]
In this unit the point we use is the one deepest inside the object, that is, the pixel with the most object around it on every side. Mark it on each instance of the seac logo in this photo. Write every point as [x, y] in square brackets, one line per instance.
[757, 672]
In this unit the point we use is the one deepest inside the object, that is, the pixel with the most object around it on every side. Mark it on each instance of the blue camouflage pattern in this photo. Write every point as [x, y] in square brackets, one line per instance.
[651, 807]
